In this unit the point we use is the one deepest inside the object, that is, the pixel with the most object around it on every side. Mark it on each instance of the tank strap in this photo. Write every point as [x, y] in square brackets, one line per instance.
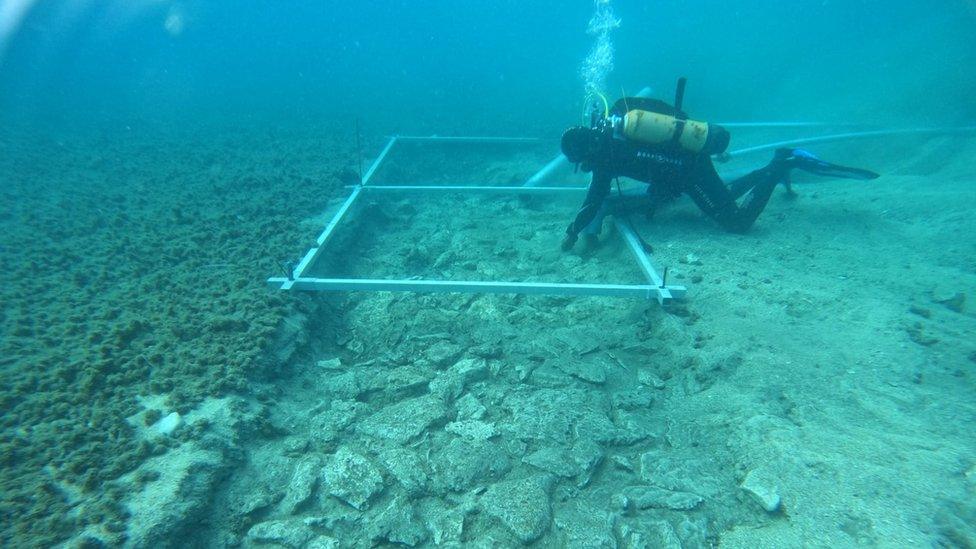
[679, 99]
[679, 95]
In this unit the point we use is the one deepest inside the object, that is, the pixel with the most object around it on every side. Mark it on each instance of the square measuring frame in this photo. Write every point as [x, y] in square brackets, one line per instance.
[655, 288]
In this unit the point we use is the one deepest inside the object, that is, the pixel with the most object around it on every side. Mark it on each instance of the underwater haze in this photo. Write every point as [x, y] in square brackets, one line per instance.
[161, 159]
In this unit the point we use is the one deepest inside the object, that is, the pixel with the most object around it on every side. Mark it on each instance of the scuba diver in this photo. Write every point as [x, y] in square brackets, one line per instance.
[653, 142]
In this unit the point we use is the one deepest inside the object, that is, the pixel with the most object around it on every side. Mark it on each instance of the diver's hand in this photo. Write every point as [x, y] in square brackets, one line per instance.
[568, 241]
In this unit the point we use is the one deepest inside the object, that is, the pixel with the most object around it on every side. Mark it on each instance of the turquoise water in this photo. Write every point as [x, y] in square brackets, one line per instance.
[159, 160]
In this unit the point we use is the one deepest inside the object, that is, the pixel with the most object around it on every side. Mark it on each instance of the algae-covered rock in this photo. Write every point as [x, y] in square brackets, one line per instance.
[406, 467]
[444, 522]
[449, 385]
[583, 526]
[655, 534]
[631, 399]
[468, 407]
[472, 429]
[644, 497]
[398, 524]
[555, 460]
[293, 533]
[521, 505]
[346, 385]
[578, 461]
[558, 416]
[402, 421]
[587, 369]
[403, 382]
[352, 478]
[328, 425]
[323, 542]
[462, 462]
[650, 379]
[587, 454]
[442, 354]
[166, 508]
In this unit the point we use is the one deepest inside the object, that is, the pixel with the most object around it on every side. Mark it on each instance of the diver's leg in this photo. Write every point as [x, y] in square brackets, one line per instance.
[593, 228]
[717, 201]
[746, 183]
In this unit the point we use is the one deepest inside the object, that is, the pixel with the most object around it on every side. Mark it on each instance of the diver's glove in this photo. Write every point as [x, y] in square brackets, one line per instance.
[806, 161]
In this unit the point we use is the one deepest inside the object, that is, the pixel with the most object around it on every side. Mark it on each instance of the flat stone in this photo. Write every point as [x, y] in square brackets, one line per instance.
[323, 542]
[587, 455]
[289, 533]
[407, 468]
[442, 354]
[549, 377]
[468, 407]
[402, 382]
[472, 429]
[645, 497]
[763, 489]
[403, 421]
[663, 471]
[633, 426]
[521, 505]
[302, 483]
[632, 399]
[352, 478]
[588, 370]
[555, 460]
[330, 364]
[470, 370]
[649, 379]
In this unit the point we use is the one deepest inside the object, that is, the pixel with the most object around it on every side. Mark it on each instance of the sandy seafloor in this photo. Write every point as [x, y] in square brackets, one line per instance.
[824, 360]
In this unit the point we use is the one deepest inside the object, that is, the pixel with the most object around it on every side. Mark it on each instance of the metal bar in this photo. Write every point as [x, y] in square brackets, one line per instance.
[476, 188]
[854, 135]
[791, 125]
[645, 263]
[468, 286]
[326, 234]
[379, 159]
[471, 138]
[546, 170]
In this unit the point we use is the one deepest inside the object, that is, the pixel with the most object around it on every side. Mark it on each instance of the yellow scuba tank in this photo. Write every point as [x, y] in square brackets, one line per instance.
[655, 128]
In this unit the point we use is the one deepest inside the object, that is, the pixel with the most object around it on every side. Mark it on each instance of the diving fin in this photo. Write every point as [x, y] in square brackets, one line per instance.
[806, 161]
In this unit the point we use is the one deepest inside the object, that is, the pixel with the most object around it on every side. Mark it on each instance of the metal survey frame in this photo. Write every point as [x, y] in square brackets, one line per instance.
[656, 287]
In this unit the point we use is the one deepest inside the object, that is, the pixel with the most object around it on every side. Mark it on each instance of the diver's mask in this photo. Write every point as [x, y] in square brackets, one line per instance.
[583, 145]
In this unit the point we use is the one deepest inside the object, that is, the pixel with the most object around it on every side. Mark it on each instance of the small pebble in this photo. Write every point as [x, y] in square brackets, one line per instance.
[170, 423]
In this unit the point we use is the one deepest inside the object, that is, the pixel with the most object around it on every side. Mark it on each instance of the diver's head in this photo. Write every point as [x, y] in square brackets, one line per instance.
[581, 144]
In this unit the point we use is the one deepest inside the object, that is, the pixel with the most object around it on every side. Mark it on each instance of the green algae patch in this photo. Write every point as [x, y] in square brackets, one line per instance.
[133, 267]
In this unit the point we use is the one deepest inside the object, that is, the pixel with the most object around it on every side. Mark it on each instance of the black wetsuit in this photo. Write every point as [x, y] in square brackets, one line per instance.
[672, 171]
